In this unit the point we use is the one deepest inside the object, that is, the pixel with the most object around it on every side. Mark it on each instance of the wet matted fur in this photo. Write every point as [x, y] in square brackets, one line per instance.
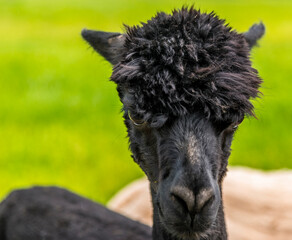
[181, 62]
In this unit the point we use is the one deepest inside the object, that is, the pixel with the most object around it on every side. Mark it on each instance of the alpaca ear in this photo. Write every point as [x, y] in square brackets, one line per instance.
[254, 33]
[107, 44]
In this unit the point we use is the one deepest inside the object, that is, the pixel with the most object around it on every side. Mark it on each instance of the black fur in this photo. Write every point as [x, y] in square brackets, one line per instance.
[51, 213]
[185, 80]
[187, 61]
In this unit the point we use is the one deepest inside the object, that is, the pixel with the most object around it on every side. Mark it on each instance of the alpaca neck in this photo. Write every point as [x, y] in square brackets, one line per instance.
[218, 231]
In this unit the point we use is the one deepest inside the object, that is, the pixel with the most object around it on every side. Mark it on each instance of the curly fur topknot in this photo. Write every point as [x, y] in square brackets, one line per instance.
[184, 62]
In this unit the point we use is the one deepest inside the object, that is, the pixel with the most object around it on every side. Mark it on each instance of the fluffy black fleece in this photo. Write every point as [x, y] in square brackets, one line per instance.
[184, 62]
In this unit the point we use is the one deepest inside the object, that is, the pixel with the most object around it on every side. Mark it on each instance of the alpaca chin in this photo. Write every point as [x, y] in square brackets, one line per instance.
[194, 235]
[195, 229]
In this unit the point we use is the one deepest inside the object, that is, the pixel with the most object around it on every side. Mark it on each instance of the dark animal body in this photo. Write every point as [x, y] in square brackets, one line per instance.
[52, 213]
[185, 80]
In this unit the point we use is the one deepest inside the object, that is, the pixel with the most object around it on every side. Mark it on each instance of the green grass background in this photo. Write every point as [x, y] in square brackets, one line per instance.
[59, 115]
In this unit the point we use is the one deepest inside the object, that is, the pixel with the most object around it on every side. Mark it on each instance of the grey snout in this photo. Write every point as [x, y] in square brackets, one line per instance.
[191, 201]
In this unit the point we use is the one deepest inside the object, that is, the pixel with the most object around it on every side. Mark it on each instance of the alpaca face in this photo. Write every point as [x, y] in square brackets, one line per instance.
[185, 160]
[185, 81]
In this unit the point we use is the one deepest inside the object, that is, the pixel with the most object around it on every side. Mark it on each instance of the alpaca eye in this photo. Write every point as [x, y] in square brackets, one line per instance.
[235, 126]
[136, 122]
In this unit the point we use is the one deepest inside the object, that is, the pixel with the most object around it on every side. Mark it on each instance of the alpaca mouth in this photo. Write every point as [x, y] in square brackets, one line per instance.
[187, 231]
[186, 227]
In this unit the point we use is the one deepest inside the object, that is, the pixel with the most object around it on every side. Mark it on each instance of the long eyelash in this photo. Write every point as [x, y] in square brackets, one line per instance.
[134, 122]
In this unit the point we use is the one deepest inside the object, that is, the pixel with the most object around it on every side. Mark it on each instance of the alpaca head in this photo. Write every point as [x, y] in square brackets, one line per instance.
[185, 81]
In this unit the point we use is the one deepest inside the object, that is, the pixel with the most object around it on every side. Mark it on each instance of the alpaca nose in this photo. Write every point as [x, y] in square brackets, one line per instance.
[191, 202]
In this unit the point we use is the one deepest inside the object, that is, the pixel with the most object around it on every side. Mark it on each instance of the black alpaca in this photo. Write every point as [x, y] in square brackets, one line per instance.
[185, 80]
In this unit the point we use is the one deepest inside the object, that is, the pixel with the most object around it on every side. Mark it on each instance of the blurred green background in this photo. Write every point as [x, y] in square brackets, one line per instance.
[60, 120]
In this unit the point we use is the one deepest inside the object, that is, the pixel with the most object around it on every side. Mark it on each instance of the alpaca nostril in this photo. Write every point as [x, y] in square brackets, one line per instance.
[180, 201]
[204, 198]
[184, 197]
[189, 201]
[165, 174]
